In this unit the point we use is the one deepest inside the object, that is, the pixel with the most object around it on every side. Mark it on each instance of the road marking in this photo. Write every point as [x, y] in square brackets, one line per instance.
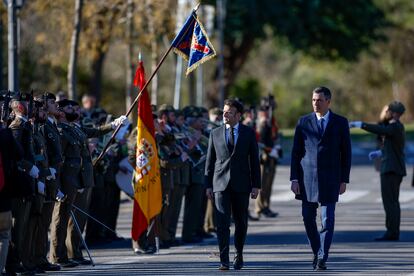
[349, 196]
[282, 196]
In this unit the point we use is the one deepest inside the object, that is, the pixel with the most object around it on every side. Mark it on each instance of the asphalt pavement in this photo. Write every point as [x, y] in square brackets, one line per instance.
[278, 246]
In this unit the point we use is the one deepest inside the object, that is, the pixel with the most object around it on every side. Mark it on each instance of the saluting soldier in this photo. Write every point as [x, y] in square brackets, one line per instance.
[22, 132]
[83, 195]
[70, 183]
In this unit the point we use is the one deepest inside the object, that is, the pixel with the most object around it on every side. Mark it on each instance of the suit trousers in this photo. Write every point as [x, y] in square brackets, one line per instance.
[319, 241]
[230, 202]
[390, 191]
[5, 227]
[268, 170]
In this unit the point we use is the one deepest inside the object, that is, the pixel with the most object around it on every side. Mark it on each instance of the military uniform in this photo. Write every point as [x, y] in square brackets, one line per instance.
[70, 182]
[22, 132]
[392, 169]
[37, 230]
[82, 199]
[267, 167]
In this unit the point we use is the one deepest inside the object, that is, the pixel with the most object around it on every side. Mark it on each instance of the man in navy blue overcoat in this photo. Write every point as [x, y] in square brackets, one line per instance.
[319, 172]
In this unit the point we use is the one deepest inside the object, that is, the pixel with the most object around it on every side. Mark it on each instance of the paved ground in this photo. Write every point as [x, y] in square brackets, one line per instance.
[278, 246]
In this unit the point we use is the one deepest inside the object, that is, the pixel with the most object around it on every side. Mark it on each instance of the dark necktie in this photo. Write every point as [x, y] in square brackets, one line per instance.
[321, 125]
[231, 139]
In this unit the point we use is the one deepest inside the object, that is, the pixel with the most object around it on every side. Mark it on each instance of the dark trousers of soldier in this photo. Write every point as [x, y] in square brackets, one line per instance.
[42, 246]
[164, 218]
[390, 191]
[268, 170]
[200, 232]
[192, 211]
[176, 200]
[33, 235]
[95, 232]
[60, 218]
[210, 220]
[20, 215]
[73, 240]
[112, 201]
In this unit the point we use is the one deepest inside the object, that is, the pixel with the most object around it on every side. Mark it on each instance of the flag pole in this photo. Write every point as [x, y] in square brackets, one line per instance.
[105, 149]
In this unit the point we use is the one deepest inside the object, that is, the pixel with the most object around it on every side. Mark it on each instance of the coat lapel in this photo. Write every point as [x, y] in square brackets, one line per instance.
[313, 120]
[223, 135]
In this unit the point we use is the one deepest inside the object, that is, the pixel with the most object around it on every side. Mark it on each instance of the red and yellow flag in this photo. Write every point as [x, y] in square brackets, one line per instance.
[146, 178]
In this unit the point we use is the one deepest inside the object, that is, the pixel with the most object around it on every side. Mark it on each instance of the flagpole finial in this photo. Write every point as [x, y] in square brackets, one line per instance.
[139, 57]
[196, 7]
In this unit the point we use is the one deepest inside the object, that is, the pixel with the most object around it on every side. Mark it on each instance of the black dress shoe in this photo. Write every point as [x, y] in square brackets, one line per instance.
[223, 267]
[253, 218]
[67, 264]
[321, 265]
[49, 267]
[269, 213]
[315, 261]
[238, 261]
[192, 240]
[387, 238]
[82, 261]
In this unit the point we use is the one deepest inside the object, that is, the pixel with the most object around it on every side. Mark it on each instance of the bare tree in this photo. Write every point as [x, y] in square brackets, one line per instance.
[74, 45]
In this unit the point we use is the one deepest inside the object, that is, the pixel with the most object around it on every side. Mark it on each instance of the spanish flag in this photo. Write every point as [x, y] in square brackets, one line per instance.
[146, 177]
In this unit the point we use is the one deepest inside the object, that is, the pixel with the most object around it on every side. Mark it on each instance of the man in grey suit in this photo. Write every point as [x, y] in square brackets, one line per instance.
[232, 174]
[319, 171]
[392, 166]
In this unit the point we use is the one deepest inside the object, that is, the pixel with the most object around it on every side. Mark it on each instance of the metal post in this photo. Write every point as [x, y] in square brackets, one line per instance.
[221, 15]
[13, 83]
[81, 237]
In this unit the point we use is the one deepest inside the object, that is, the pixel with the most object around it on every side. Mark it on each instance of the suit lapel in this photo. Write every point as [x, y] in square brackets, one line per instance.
[239, 137]
[223, 135]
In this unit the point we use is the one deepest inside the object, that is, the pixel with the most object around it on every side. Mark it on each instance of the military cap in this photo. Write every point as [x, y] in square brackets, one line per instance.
[73, 103]
[21, 97]
[166, 107]
[63, 103]
[49, 96]
[396, 107]
[179, 112]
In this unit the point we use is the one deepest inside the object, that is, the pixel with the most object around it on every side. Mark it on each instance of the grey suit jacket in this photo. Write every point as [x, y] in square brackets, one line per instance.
[240, 168]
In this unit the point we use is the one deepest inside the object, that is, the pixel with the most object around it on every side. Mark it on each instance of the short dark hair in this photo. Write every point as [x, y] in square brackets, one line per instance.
[324, 90]
[234, 103]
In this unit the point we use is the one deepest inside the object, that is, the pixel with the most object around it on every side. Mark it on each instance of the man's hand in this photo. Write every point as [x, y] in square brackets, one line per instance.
[254, 193]
[342, 188]
[294, 187]
[374, 154]
[122, 120]
[209, 193]
[355, 124]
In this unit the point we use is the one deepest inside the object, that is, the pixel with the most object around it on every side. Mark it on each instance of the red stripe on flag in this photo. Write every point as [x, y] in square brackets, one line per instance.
[144, 103]
[139, 222]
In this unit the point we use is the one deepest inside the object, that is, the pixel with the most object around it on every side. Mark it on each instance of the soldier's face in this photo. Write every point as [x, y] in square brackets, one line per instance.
[51, 106]
[230, 115]
[171, 117]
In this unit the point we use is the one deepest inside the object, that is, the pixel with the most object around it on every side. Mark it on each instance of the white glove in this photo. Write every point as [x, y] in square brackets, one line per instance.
[355, 124]
[81, 190]
[60, 196]
[122, 120]
[121, 133]
[374, 154]
[275, 152]
[34, 172]
[184, 156]
[41, 188]
[52, 174]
